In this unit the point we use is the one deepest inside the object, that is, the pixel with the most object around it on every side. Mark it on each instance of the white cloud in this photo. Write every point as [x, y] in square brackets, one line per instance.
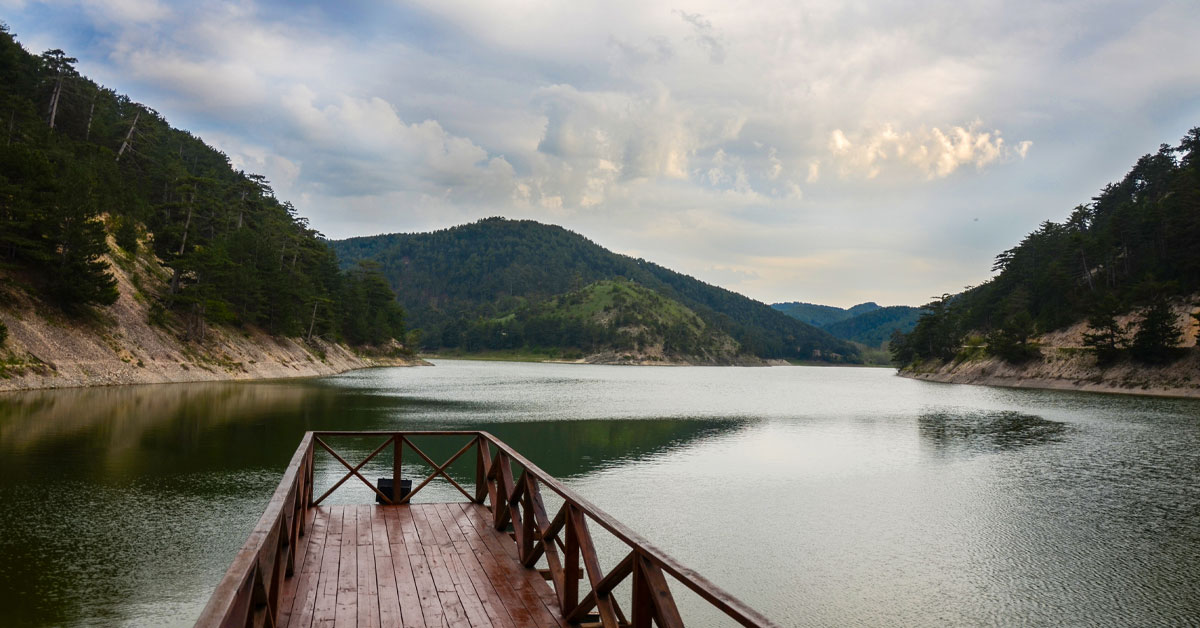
[932, 152]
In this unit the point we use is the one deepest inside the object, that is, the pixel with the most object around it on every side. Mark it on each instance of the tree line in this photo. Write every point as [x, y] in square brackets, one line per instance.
[79, 162]
[467, 275]
[1134, 247]
[613, 316]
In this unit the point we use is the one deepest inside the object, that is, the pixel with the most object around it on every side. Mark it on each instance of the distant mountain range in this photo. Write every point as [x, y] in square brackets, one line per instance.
[866, 323]
[493, 285]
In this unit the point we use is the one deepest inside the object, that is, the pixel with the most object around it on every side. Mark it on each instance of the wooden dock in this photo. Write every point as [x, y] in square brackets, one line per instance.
[496, 559]
[417, 565]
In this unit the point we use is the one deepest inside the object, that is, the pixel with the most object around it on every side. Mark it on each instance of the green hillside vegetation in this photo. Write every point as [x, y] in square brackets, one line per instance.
[868, 323]
[823, 315]
[1134, 247]
[875, 327]
[79, 162]
[452, 278]
[812, 313]
[616, 317]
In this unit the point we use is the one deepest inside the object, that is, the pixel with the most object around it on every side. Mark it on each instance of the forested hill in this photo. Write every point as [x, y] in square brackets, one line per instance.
[823, 315]
[875, 327]
[1134, 248]
[866, 323]
[79, 162]
[463, 277]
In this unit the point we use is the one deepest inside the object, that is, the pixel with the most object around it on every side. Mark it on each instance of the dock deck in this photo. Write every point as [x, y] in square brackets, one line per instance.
[498, 559]
[412, 565]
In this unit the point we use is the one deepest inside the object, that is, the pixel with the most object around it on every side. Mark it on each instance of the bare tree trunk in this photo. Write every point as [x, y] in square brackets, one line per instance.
[54, 99]
[312, 322]
[195, 330]
[187, 222]
[241, 209]
[12, 118]
[1087, 271]
[129, 135]
[91, 113]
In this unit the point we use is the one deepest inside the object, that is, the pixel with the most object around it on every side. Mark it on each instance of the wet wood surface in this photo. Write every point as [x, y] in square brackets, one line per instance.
[411, 565]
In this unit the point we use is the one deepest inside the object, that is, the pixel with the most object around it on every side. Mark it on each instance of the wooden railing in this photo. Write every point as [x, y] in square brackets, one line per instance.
[248, 594]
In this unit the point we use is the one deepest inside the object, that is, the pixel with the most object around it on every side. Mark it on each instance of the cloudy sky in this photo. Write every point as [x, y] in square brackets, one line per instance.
[832, 152]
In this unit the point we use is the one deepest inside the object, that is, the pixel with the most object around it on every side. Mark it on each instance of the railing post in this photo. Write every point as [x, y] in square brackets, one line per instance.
[527, 518]
[312, 462]
[482, 462]
[500, 509]
[397, 459]
[643, 606]
[303, 494]
[569, 597]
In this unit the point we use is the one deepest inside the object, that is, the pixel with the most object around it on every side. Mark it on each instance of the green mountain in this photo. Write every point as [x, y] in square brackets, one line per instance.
[1135, 246]
[811, 313]
[454, 280]
[875, 326]
[79, 163]
[866, 323]
[611, 321]
[822, 315]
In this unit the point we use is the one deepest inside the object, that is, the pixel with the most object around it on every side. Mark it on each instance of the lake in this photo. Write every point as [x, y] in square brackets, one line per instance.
[819, 496]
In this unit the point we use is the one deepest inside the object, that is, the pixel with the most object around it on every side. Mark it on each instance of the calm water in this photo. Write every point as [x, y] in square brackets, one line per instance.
[820, 496]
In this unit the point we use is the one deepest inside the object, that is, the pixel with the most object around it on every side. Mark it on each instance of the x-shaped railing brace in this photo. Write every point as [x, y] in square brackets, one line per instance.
[437, 469]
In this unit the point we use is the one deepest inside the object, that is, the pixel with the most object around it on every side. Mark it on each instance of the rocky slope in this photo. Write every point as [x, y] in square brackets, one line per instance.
[1067, 365]
[119, 345]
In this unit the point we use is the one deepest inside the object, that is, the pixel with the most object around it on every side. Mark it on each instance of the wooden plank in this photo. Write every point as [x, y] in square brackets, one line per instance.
[502, 582]
[430, 529]
[453, 532]
[325, 608]
[453, 614]
[395, 534]
[427, 592]
[287, 595]
[412, 604]
[347, 576]
[472, 605]
[408, 527]
[466, 560]
[367, 583]
[304, 588]
[518, 586]
[389, 595]
[442, 578]
[406, 587]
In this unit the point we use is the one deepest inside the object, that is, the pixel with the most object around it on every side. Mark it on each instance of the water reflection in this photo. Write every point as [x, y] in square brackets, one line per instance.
[125, 504]
[986, 431]
[869, 499]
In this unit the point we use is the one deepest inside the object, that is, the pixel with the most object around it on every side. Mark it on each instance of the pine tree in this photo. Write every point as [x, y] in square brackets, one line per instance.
[1158, 335]
[76, 241]
[1106, 337]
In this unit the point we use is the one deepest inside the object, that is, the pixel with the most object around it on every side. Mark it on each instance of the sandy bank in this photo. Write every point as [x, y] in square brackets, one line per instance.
[119, 345]
[1066, 365]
